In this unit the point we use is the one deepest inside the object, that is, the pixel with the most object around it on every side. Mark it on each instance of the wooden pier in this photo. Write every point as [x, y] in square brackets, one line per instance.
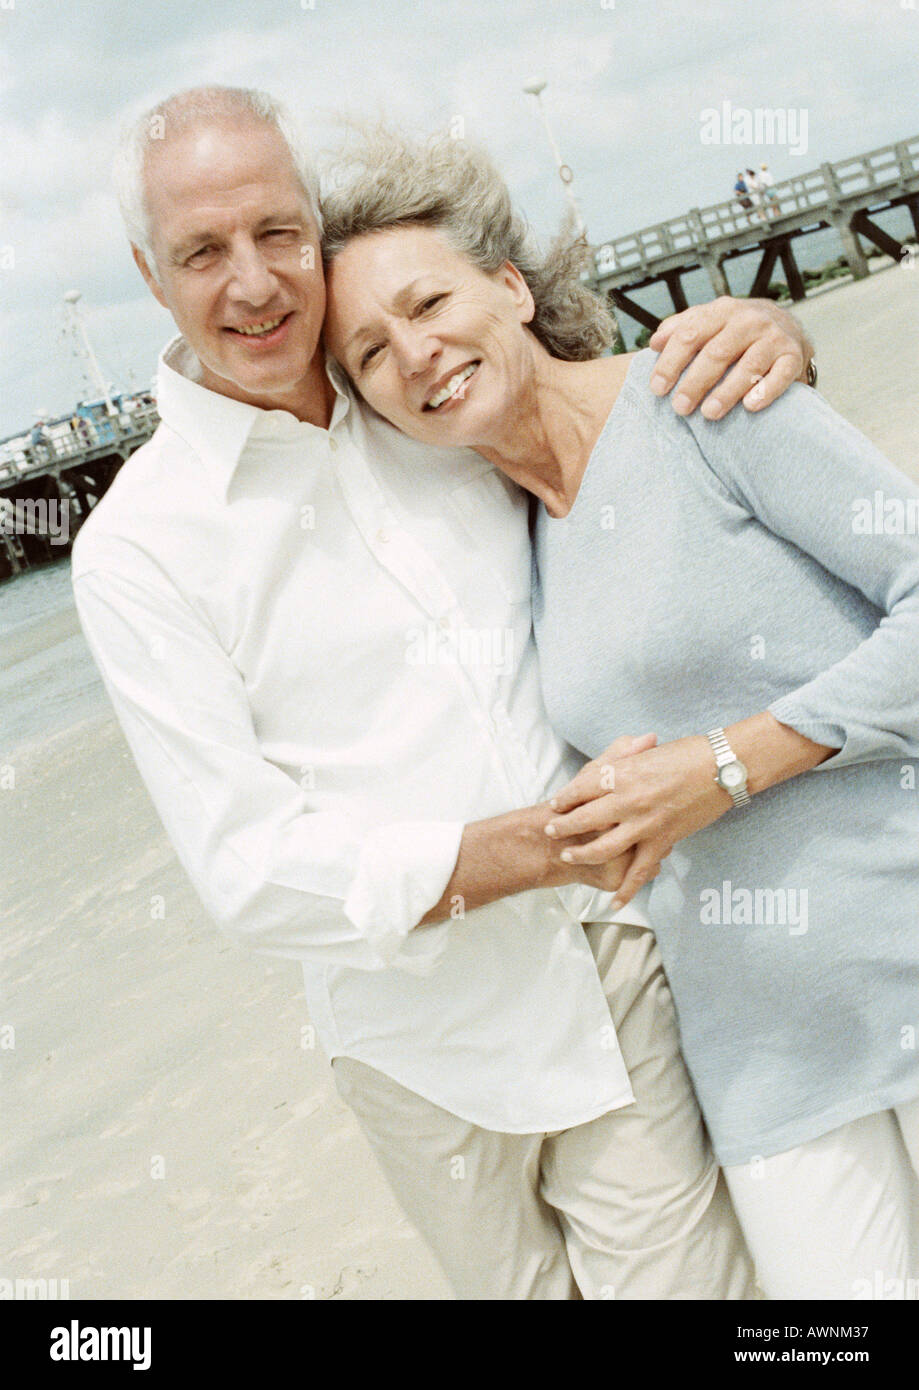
[846, 196]
[71, 468]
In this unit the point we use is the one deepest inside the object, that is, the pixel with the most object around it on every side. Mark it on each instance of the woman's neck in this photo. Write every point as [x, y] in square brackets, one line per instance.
[545, 439]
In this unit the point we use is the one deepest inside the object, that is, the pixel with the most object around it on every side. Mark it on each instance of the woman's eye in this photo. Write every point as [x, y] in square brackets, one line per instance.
[430, 302]
[371, 352]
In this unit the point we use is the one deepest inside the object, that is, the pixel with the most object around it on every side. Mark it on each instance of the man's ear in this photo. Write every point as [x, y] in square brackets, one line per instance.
[520, 291]
[153, 284]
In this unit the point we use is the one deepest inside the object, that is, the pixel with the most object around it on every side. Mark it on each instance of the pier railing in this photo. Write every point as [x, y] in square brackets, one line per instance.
[816, 192]
[78, 441]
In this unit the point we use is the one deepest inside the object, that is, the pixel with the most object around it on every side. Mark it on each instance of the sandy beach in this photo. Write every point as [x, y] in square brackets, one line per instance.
[166, 1133]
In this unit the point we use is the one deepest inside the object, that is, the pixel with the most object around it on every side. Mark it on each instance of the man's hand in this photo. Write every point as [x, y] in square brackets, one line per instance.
[644, 803]
[761, 347]
[510, 853]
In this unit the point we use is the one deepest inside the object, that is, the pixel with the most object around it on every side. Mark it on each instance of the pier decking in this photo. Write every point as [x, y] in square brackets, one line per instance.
[845, 195]
[70, 468]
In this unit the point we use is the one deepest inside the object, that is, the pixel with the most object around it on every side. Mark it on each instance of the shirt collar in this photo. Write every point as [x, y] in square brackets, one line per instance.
[218, 428]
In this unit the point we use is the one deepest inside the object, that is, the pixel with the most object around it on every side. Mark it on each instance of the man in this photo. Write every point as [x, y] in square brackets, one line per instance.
[316, 635]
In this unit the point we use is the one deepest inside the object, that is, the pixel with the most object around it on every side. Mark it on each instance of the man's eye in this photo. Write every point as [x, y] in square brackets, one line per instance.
[368, 355]
[198, 257]
[279, 232]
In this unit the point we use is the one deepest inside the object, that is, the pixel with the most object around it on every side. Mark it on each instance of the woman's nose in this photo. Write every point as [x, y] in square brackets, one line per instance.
[415, 350]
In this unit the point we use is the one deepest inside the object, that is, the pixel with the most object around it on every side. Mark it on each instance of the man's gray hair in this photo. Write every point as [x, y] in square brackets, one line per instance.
[389, 180]
[182, 111]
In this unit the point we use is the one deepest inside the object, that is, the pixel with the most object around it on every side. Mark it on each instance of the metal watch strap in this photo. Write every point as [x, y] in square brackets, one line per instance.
[724, 754]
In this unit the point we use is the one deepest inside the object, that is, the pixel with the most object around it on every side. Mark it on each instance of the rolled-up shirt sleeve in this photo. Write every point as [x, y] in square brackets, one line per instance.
[280, 876]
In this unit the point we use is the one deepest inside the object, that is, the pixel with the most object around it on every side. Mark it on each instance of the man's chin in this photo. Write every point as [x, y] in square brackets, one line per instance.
[255, 383]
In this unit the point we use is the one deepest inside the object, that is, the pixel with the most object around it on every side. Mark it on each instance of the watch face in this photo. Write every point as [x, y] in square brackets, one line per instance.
[734, 775]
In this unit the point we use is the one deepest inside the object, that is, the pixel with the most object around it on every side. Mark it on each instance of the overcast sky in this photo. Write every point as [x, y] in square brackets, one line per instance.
[627, 83]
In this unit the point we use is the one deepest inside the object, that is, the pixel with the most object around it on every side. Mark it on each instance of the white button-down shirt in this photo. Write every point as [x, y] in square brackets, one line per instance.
[318, 645]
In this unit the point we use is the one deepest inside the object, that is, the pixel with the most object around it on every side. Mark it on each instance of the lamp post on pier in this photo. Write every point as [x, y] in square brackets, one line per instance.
[535, 89]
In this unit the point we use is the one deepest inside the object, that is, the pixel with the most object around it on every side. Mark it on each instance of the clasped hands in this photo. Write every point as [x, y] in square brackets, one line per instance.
[624, 811]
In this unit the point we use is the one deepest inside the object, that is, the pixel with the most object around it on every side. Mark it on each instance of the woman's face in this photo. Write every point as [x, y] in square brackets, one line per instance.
[435, 345]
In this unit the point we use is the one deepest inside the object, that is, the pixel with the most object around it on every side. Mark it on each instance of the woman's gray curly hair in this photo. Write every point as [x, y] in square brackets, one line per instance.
[389, 180]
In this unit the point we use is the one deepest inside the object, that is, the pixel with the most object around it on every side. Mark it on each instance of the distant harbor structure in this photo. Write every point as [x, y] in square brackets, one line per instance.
[65, 465]
[845, 196]
[53, 474]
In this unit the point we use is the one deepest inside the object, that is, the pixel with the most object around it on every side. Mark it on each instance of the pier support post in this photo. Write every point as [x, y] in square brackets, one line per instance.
[851, 245]
[764, 273]
[884, 242]
[913, 205]
[677, 293]
[715, 271]
[792, 274]
[15, 554]
[635, 311]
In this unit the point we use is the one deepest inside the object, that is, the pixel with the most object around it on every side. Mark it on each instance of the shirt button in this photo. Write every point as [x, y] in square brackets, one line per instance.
[333, 444]
[443, 622]
[383, 537]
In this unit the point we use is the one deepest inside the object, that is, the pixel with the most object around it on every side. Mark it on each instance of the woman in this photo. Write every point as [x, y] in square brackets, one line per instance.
[711, 582]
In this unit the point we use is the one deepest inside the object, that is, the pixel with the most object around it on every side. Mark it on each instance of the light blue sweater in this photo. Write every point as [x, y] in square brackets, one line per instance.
[705, 573]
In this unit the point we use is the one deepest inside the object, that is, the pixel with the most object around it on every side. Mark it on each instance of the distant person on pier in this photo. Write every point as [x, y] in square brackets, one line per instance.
[755, 189]
[742, 193]
[80, 431]
[767, 184]
[39, 443]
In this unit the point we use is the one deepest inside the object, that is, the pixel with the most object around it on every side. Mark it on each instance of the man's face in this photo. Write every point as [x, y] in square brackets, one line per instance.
[237, 260]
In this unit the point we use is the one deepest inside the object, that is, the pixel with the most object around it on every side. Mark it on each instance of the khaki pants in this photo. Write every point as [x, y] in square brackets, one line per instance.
[631, 1205]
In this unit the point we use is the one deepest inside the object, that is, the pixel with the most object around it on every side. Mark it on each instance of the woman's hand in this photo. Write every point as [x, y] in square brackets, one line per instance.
[645, 801]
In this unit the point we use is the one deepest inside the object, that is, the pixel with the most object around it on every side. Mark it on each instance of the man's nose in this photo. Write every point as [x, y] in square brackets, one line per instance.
[251, 279]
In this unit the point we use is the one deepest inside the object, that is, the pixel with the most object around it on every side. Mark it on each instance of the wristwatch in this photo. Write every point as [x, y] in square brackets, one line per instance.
[731, 774]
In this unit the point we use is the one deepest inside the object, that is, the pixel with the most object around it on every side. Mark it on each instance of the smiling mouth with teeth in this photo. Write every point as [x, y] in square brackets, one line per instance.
[453, 387]
[260, 330]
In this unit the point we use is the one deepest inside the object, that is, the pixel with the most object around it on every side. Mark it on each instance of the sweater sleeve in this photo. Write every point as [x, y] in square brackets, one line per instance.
[809, 476]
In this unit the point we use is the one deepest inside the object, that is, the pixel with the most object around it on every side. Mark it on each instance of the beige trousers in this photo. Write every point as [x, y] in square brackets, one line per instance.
[631, 1205]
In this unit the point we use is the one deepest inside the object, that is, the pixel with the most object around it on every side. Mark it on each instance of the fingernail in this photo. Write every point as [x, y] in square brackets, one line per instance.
[567, 856]
[554, 804]
[712, 410]
[550, 830]
[617, 903]
[755, 396]
[682, 404]
[659, 384]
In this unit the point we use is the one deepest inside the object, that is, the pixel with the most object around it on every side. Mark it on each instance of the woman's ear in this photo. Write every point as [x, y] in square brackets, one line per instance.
[520, 291]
